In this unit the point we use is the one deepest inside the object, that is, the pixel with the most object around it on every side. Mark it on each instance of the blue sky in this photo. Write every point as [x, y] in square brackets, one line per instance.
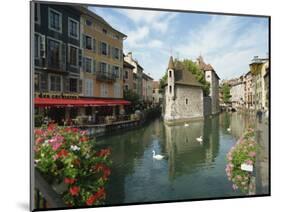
[228, 43]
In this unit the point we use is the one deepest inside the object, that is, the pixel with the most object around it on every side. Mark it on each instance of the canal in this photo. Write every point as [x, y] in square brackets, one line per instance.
[190, 169]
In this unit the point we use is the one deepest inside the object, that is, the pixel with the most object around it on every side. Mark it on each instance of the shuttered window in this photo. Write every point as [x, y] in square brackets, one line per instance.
[55, 83]
[73, 28]
[88, 87]
[73, 56]
[36, 45]
[55, 20]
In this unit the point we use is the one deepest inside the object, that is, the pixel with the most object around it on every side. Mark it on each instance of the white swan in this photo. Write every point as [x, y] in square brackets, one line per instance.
[157, 157]
[186, 124]
[228, 129]
[199, 139]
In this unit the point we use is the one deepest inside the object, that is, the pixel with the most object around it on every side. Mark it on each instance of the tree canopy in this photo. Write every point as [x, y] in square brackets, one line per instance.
[225, 89]
[131, 96]
[191, 66]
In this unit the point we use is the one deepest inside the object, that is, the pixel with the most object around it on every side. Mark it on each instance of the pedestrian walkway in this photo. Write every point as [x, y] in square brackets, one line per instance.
[262, 164]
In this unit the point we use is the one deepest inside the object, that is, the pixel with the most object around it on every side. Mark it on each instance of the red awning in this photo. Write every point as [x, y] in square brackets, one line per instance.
[56, 102]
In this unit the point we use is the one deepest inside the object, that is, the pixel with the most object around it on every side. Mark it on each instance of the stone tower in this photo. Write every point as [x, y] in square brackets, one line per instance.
[171, 79]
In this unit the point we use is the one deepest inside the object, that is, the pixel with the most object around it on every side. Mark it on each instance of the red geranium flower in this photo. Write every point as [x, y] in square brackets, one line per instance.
[103, 152]
[74, 129]
[90, 201]
[100, 193]
[39, 140]
[74, 191]
[83, 139]
[38, 132]
[106, 172]
[69, 180]
[51, 127]
[61, 153]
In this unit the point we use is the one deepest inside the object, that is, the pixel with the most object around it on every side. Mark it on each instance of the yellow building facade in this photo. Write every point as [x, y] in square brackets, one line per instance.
[102, 52]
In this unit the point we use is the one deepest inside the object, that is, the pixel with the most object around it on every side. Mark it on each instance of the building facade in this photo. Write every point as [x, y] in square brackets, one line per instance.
[183, 95]
[248, 79]
[57, 55]
[128, 76]
[157, 96]
[259, 69]
[211, 77]
[56, 51]
[137, 74]
[147, 82]
[77, 55]
[237, 92]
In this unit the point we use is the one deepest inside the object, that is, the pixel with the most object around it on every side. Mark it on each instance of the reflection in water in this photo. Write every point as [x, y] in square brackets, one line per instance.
[191, 171]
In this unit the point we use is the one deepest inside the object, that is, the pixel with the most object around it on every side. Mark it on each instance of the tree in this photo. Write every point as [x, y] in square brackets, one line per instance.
[199, 75]
[163, 80]
[225, 92]
[132, 96]
[188, 65]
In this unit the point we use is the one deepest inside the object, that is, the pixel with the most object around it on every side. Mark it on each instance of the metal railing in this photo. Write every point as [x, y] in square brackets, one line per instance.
[45, 196]
[106, 76]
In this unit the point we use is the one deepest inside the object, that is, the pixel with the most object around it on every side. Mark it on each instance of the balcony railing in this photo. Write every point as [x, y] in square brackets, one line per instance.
[106, 76]
[45, 196]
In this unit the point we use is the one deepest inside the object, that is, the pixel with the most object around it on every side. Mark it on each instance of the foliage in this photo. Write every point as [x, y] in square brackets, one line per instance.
[67, 156]
[132, 96]
[244, 151]
[188, 65]
[163, 80]
[199, 75]
[225, 89]
[38, 120]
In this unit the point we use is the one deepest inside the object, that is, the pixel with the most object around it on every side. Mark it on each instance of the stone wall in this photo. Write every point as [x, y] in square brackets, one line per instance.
[187, 104]
[207, 105]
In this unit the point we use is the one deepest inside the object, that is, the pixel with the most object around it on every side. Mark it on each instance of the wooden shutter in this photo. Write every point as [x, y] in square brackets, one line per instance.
[94, 66]
[99, 47]
[63, 55]
[80, 84]
[108, 70]
[43, 82]
[66, 85]
[84, 64]
[80, 58]
[84, 41]
[94, 45]
[42, 46]
[109, 50]
[98, 64]
[120, 54]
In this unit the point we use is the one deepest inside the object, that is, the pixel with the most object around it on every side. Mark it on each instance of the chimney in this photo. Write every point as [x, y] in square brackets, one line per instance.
[130, 55]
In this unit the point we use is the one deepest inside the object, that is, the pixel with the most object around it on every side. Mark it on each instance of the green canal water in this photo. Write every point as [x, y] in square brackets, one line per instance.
[190, 170]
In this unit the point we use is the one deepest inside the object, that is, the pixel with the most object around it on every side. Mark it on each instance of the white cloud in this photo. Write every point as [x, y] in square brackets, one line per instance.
[226, 43]
[136, 37]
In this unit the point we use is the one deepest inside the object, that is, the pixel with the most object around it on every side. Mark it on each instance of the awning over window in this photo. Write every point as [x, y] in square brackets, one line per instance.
[56, 102]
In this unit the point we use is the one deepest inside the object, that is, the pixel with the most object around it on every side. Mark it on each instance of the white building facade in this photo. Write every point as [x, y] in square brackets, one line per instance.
[183, 99]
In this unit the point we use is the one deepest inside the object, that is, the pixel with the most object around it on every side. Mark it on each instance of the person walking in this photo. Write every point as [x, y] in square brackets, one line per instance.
[259, 115]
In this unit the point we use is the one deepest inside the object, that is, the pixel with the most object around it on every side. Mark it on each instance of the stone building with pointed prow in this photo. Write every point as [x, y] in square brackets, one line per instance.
[183, 95]
[212, 77]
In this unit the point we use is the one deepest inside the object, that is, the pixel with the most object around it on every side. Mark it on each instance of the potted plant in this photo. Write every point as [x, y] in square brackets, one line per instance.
[69, 161]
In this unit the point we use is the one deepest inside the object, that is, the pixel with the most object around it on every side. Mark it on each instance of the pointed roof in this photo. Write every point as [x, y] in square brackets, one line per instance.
[171, 63]
[185, 77]
[205, 67]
